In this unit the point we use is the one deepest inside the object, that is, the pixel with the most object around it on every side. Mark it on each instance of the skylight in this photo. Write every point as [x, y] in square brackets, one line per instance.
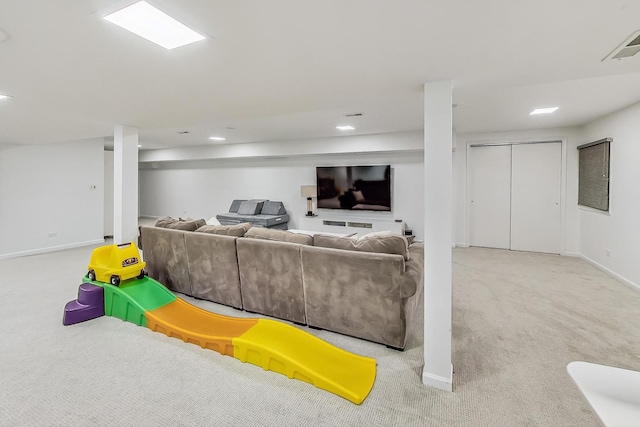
[154, 25]
[548, 110]
[345, 127]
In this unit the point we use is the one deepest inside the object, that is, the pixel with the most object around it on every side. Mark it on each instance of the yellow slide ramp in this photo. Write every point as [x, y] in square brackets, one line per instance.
[272, 345]
[289, 351]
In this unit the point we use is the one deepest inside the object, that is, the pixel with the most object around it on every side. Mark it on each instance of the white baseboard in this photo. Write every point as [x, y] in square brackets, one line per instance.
[572, 254]
[51, 249]
[461, 245]
[437, 381]
[606, 270]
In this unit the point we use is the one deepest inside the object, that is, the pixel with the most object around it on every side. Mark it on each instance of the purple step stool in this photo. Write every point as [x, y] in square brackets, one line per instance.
[89, 305]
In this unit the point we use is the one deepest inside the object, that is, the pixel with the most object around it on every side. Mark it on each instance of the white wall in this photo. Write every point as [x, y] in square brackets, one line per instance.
[46, 190]
[619, 230]
[203, 189]
[572, 138]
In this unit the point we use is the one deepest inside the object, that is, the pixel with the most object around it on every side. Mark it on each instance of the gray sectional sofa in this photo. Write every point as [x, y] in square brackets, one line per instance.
[367, 288]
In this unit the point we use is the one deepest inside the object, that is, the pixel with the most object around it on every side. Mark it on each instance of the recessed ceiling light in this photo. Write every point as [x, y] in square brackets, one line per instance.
[154, 25]
[4, 97]
[217, 138]
[543, 110]
[139, 145]
[346, 127]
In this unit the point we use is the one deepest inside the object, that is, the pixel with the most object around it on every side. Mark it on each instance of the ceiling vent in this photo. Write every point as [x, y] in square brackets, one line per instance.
[182, 132]
[628, 48]
[354, 115]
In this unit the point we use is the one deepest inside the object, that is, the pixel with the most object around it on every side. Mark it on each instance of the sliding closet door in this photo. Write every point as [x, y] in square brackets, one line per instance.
[489, 188]
[535, 197]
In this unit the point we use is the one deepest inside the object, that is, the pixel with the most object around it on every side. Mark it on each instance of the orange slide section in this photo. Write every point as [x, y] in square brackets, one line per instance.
[192, 324]
[272, 345]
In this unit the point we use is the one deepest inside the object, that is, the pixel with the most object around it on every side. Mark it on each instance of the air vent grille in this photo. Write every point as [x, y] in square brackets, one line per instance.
[354, 115]
[634, 42]
[628, 48]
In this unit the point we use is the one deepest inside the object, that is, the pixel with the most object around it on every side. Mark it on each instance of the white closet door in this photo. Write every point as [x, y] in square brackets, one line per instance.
[489, 188]
[535, 197]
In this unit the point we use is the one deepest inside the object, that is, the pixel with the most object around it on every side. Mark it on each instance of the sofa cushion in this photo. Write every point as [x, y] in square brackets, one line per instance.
[250, 207]
[186, 224]
[237, 230]
[384, 242]
[279, 235]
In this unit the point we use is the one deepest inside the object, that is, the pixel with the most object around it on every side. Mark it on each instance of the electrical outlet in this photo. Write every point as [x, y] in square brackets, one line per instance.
[607, 252]
[53, 234]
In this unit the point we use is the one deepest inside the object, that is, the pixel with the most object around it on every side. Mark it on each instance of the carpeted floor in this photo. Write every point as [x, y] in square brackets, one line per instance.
[519, 318]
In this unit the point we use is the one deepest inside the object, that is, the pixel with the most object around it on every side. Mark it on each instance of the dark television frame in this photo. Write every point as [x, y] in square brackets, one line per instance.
[351, 196]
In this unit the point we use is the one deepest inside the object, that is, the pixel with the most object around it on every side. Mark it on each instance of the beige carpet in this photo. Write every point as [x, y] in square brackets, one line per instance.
[519, 318]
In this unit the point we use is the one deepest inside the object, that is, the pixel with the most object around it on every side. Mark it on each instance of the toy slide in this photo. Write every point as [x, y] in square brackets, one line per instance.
[272, 345]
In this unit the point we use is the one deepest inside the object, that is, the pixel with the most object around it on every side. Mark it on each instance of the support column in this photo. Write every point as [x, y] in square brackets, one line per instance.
[438, 211]
[125, 184]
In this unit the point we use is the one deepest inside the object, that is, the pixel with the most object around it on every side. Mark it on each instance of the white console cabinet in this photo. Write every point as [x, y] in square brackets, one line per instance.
[360, 226]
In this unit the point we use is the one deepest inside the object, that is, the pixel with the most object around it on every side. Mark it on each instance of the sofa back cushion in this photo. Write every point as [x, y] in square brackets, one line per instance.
[237, 230]
[250, 207]
[384, 243]
[186, 224]
[279, 235]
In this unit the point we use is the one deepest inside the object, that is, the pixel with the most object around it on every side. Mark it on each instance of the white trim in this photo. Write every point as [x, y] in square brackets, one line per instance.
[437, 381]
[594, 210]
[563, 194]
[51, 249]
[460, 245]
[571, 254]
[606, 270]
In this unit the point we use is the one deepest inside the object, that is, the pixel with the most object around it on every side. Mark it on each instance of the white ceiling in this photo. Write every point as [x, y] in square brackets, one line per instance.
[290, 69]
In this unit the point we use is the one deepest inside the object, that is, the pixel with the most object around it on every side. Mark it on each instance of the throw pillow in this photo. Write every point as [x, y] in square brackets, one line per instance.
[164, 221]
[179, 224]
[279, 235]
[237, 230]
[191, 225]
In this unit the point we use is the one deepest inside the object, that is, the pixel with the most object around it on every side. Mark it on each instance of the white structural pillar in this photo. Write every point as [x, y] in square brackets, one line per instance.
[438, 211]
[125, 184]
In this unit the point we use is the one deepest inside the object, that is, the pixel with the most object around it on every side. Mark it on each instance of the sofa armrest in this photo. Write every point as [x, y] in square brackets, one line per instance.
[166, 257]
[414, 271]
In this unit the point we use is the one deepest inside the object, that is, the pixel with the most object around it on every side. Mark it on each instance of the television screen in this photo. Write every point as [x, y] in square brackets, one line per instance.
[354, 187]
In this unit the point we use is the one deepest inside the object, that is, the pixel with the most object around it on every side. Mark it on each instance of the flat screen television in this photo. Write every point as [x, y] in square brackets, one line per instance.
[354, 187]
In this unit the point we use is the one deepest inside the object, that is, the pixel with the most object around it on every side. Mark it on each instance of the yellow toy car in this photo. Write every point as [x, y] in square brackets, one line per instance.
[116, 263]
